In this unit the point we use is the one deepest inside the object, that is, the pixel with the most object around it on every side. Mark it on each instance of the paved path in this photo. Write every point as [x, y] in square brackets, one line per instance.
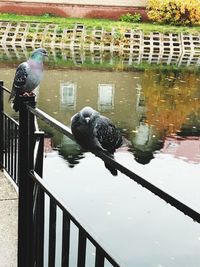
[8, 223]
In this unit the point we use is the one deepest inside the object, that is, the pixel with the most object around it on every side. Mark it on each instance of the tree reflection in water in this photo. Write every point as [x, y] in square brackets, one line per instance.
[159, 106]
[147, 106]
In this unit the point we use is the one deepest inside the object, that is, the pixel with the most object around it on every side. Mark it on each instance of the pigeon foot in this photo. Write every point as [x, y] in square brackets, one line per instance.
[28, 94]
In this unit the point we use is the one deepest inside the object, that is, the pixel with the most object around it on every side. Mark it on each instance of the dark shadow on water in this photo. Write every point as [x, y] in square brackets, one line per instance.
[70, 151]
[73, 154]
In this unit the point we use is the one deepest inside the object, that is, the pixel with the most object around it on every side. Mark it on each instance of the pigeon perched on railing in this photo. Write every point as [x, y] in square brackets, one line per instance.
[93, 131]
[28, 76]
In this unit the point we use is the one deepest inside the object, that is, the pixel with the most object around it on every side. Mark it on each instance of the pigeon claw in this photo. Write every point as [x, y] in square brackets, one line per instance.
[28, 94]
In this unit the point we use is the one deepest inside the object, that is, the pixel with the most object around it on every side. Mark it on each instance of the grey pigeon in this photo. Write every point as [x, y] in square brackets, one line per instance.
[28, 76]
[93, 131]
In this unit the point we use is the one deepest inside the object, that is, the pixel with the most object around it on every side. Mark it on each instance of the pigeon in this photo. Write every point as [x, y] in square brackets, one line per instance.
[28, 76]
[92, 131]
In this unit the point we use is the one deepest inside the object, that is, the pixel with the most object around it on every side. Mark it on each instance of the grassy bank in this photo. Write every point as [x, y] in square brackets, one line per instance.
[107, 24]
[117, 40]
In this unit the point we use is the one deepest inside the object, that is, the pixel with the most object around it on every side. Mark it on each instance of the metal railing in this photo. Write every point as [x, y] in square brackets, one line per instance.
[27, 144]
[21, 155]
[8, 140]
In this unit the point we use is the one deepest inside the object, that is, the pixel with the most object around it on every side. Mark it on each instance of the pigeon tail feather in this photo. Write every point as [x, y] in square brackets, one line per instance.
[16, 103]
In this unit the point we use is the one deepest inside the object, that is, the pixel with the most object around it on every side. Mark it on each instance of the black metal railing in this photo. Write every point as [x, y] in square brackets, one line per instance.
[21, 155]
[32, 193]
[28, 142]
[8, 139]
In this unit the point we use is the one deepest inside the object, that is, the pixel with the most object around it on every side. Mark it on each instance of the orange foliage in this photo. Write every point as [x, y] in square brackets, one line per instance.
[170, 101]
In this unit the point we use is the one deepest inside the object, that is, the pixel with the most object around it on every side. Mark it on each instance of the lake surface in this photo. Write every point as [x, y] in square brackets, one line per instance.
[159, 116]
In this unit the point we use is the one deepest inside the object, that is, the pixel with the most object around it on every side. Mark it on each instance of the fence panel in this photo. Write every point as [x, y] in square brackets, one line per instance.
[21, 154]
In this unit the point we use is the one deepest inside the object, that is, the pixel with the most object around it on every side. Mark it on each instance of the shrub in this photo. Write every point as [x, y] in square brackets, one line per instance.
[131, 17]
[176, 12]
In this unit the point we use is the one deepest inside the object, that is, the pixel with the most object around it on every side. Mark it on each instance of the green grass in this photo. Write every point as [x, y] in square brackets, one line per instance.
[107, 24]
[116, 66]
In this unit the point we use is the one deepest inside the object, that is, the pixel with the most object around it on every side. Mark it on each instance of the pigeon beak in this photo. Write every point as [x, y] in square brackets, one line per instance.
[45, 54]
[87, 119]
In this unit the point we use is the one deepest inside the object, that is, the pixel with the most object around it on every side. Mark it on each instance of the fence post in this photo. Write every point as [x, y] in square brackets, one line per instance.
[25, 207]
[39, 220]
[1, 125]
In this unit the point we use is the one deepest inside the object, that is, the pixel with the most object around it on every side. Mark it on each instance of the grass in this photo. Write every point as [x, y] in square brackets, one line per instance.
[107, 24]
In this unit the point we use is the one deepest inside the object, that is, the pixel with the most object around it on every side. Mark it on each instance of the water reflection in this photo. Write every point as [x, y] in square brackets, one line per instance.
[159, 115]
[115, 56]
[148, 107]
[145, 143]
[184, 148]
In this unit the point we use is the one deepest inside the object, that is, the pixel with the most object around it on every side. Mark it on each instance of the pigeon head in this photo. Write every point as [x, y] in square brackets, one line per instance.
[88, 114]
[39, 54]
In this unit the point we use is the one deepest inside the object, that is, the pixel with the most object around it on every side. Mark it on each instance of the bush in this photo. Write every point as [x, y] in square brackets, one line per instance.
[131, 17]
[176, 12]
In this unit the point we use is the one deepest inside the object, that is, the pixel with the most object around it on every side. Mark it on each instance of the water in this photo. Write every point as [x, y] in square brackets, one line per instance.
[159, 115]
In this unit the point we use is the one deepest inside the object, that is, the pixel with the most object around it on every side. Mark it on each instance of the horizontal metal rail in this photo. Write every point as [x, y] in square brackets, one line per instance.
[51, 121]
[6, 89]
[11, 119]
[151, 187]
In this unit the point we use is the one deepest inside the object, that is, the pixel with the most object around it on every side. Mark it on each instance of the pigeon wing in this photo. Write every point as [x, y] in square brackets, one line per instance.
[107, 134]
[19, 80]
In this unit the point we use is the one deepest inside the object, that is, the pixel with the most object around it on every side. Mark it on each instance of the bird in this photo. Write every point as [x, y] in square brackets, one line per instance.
[28, 76]
[93, 131]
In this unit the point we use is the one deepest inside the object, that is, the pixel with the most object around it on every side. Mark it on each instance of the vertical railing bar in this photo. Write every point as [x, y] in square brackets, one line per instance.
[65, 240]
[39, 209]
[12, 149]
[8, 133]
[7, 140]
[52, 233]
[99, 257]
[6, 143]
[15, 152]
[3, 148]
[31, 140]
[35, 196]
[81, 248]
[2, 129]
[39, 153]
[35, 225]
[37, 142]
[40, 228]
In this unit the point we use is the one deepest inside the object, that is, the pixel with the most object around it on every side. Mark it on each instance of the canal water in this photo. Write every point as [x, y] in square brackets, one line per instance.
[159, 116]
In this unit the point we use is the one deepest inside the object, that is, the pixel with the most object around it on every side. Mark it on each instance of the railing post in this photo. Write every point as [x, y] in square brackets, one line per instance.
[1, 124]
[25, 207]
[39, 220]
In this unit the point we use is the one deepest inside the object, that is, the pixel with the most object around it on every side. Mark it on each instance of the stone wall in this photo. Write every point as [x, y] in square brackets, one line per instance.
[110, 9]
[131, 3]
